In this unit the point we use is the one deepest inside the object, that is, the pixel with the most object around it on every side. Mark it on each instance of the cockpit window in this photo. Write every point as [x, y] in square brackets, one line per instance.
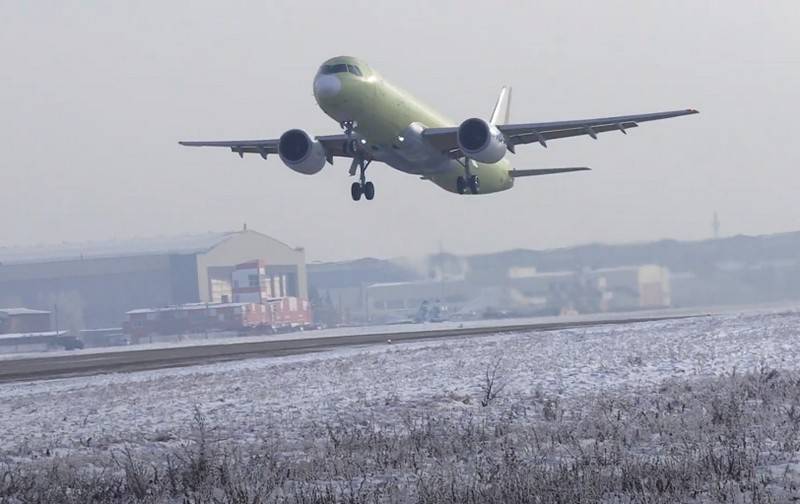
[340, 68]
[332, 69]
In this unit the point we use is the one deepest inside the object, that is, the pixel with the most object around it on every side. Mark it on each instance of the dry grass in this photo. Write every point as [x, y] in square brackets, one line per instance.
[730, 439]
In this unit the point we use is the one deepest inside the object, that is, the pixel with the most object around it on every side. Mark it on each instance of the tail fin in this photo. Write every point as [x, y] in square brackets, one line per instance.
[502, 109]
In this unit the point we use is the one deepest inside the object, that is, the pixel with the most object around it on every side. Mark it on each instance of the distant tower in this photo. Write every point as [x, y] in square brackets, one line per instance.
[715, 225]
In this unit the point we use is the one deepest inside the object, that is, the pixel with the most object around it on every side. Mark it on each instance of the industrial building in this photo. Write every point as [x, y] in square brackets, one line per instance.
[737, 270]
[27, 330]
[23, 320]
[38, 342]
[93, 285]
[525, 291]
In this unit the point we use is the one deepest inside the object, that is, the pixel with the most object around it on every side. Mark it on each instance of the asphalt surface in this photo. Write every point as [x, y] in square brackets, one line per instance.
[87, 363]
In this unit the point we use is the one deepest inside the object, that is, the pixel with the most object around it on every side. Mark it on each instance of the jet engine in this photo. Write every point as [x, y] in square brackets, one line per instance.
[481, 141]
[300, 152]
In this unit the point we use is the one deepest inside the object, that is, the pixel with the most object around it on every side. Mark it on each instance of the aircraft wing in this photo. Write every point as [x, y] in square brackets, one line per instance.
[334, 146]
[518, 134]
[546, 171]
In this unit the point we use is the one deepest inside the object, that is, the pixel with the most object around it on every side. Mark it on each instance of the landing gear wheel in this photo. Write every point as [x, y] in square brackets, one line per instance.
[474, 184]
[461, 185]
[369, 190]
[355, 191]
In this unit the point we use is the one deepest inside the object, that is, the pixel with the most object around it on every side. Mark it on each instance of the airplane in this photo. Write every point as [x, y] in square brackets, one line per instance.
[384, 123]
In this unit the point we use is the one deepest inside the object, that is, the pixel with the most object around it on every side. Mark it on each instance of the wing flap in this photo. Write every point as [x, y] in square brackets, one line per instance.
[231, 143]
[241, 147]
[334, 145]
[543, 136]
[445, 139]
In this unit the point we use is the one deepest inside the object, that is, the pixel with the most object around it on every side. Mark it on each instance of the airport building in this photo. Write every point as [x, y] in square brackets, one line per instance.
[94, 285]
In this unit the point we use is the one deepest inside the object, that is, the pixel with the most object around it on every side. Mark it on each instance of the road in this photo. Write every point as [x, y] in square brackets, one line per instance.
[86, 363]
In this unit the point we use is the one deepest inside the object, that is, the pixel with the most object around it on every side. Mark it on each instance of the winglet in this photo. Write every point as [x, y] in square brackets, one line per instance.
[502, 109]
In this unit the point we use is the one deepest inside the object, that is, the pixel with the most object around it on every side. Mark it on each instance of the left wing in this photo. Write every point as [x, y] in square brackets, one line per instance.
[445, 139]
[334, 146]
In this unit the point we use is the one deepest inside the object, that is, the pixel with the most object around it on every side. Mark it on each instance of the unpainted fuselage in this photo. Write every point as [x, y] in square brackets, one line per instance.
[388, 122]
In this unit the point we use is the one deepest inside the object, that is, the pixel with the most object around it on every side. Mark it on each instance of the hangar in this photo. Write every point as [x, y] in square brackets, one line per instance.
[93, 285]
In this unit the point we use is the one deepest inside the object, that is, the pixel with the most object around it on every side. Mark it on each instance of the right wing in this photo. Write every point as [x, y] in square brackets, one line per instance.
[517, 134]
[445, 139]
[334, 146]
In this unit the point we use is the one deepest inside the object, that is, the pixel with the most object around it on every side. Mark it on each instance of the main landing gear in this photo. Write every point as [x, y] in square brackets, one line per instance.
[472, 183]
[468, 181]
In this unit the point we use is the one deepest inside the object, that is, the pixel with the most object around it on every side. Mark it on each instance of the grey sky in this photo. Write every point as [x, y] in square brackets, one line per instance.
[95, 96]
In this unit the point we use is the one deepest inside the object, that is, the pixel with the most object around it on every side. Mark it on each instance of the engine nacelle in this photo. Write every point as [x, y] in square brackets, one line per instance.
[300, 152]
[481, 141]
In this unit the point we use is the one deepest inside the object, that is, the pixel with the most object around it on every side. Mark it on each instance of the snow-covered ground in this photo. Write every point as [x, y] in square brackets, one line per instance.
[248, 401]
[253, 399]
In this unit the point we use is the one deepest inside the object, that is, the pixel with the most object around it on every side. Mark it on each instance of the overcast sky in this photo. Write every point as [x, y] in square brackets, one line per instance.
[95, 95]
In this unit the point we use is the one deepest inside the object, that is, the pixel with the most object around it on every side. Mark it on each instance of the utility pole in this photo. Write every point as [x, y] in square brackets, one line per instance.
[441, 272]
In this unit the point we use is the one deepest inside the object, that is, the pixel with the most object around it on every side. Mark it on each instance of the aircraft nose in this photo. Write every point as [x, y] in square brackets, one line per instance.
[327, 86]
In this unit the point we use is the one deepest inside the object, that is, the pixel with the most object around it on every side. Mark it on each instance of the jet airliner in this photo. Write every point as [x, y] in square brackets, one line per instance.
[383, 123]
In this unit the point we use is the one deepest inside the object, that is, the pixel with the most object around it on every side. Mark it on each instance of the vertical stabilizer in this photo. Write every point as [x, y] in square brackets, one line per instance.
[502, 109]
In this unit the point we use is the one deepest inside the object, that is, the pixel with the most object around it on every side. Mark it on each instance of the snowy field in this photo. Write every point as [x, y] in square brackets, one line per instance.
[293, 403]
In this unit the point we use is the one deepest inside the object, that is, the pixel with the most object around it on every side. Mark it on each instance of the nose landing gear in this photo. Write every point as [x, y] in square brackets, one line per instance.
[367, 189]
[360, 164]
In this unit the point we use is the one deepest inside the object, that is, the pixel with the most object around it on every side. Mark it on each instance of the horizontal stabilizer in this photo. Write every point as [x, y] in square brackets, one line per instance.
[546, 171]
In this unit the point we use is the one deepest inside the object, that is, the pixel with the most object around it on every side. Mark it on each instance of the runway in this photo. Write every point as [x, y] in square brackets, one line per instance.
[88, 363]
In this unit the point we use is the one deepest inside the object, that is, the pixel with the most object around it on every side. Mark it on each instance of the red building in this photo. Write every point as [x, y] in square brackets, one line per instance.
[23, 320]
[194, 318]
[275, 315]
